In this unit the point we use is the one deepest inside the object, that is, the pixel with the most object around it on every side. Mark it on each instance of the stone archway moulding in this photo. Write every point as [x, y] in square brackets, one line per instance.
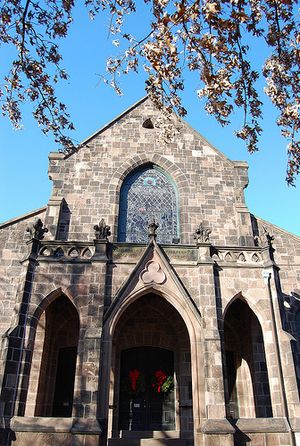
[190, 317]
[139, 160]
[253, 307]
[192, 322]
[39, 308]
[276, 391]
[180, 180]
[34, 341]
[47, 300]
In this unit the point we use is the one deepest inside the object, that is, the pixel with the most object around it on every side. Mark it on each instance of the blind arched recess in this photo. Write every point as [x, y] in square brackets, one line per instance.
[148, 193]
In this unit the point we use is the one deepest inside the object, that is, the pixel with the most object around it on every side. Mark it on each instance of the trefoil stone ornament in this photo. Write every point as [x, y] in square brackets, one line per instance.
[202, 234]
[37, 229]
[153, 274]
[152, 228]
[102, 230]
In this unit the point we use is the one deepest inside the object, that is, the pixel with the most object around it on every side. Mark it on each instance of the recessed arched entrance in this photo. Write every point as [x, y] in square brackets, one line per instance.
[247, 384]
[52, 376]
[151, 369]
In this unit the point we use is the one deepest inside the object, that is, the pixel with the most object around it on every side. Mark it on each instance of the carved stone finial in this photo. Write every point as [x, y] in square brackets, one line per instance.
[102, 231]
[202, 234]
[257, 240]
[152, 228]
[268, 236]
[264, 239]
[37, 229]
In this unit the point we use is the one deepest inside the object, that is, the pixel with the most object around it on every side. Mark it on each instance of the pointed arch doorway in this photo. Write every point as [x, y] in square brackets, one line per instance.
[151, 364]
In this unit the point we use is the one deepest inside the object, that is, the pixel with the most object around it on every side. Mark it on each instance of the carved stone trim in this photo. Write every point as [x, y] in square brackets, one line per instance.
[153, 274]
[37, 229]
[66, 251]
[102, 230]
[202, 234]
[240, 256]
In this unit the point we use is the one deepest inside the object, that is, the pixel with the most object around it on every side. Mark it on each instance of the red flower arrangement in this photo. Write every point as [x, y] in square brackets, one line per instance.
[134, 383]
[162, 383]
[134, 376]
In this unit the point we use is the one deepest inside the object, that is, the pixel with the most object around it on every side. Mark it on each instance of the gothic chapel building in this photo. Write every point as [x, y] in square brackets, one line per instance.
[145, 305]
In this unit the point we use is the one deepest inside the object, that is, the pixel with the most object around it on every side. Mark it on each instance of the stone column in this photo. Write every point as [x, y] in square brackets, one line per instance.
[55, 202]
[282, 372]
[243, 218]
[214, 427]
[86, 398]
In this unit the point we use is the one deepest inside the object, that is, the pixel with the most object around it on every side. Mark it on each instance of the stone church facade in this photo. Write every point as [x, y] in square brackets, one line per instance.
[145, 304]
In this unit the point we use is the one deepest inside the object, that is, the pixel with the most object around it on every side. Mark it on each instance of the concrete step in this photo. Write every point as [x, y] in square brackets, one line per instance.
[149, 434]
[147, 442]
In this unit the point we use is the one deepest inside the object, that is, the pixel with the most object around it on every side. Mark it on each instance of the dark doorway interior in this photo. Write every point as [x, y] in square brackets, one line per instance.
[58, 359]
[64, 382]
[145, 405]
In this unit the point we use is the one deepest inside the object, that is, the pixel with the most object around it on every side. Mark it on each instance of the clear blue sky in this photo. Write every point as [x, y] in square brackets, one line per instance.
[24, 184]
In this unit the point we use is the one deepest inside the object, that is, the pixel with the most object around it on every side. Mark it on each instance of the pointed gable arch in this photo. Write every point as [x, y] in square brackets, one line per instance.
[48, 300]
[170, 288]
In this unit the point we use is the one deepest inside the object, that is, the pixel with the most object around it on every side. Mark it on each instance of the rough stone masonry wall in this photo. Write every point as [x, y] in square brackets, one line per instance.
[287, 258]
[81, 283]
[13, 249]
[209, 185]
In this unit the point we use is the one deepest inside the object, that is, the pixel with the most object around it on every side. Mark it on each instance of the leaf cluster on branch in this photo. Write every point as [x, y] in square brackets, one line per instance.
[209, 37]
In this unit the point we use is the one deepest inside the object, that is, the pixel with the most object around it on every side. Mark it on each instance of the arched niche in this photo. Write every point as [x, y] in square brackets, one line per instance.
[52, 374]
[247, 388]
[148, 193]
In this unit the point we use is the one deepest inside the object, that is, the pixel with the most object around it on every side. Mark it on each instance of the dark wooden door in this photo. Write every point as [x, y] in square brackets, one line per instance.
[146, 406]
[64, 382]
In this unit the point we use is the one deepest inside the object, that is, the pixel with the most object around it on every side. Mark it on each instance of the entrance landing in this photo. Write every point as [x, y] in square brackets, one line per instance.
[134, 441]
[148, 438]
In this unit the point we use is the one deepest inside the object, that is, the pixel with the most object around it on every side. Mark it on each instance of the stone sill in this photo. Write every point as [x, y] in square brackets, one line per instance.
[246, 425]
[88, 426]
[252, 425]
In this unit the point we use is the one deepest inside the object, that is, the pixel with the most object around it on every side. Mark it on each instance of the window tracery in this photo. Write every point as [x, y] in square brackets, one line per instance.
[147, 194]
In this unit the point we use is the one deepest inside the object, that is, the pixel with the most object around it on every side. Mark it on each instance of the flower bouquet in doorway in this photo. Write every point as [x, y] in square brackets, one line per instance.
[161, 382]
[134, 383]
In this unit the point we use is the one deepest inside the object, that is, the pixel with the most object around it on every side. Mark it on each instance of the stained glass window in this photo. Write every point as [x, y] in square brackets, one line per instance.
[148, 193]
